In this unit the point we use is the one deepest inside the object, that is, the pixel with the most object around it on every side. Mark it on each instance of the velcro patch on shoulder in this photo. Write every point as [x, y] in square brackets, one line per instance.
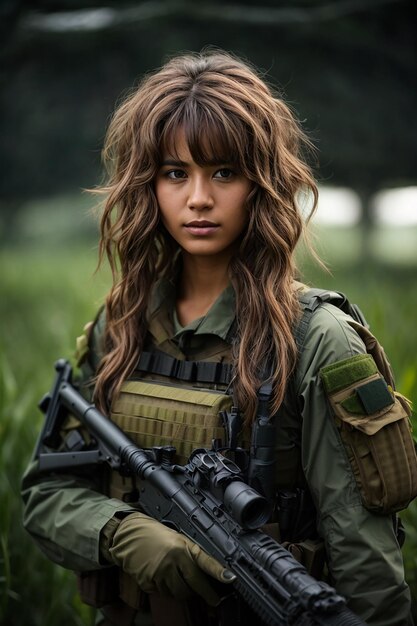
[374, 396]
[344, 373]
[357, 386]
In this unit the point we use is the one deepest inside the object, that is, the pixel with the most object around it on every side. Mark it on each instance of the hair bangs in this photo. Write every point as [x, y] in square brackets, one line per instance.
[210, 134]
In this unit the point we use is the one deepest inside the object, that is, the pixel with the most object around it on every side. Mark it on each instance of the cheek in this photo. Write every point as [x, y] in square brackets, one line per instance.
[243, 196]
[163, 190]
[164, 200]
[167, 221]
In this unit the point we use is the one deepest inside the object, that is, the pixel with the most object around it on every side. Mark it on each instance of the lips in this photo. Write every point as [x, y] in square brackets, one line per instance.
[200, 224]
[201, 228]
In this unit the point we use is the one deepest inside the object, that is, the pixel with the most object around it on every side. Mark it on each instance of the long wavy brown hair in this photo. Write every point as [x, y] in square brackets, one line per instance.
[228, 114]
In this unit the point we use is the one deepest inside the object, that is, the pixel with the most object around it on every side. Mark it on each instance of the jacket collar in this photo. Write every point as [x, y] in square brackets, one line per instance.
[161, 323]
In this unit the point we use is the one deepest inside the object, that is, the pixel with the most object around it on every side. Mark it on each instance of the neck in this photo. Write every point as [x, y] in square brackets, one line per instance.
[201, 282]
[203, 275]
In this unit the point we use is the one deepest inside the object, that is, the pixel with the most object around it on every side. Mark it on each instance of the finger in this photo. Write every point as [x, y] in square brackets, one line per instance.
[210, 566]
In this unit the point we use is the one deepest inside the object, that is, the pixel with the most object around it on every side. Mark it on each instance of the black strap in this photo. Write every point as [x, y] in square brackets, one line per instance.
[312, 299]
[262, 457]
[157, 362]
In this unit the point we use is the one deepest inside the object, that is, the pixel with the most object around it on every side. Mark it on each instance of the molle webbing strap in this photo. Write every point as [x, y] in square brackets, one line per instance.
[192, 371]
[312, 299]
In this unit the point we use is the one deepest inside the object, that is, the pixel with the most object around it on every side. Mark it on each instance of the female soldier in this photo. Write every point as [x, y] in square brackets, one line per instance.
[200, 223]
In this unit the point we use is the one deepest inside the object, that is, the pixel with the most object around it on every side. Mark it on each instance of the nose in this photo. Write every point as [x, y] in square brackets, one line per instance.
[200, 194]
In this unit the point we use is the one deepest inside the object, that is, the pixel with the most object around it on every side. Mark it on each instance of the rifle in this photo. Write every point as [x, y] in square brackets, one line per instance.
[207, 501]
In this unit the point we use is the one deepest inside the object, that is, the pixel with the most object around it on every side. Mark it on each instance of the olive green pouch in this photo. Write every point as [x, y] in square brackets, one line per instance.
[375, 428]
[154, 413]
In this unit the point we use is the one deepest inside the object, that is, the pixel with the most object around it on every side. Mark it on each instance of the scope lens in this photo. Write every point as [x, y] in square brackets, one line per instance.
[247, 506]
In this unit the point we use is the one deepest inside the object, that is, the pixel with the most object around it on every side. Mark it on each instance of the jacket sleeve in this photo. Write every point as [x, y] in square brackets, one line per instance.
[66, 512]
[364, 558]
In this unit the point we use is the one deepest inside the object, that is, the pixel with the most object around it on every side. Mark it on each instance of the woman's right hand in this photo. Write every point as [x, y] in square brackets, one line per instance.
[164, 561]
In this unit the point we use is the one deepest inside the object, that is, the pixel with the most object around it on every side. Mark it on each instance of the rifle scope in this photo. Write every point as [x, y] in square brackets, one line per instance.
[247, 507]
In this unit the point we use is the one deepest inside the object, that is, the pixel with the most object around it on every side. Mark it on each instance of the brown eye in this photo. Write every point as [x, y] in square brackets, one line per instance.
[175, 174]
[224, 173]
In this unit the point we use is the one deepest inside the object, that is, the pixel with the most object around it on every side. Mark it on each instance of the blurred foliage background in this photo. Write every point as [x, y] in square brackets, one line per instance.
[347, 67]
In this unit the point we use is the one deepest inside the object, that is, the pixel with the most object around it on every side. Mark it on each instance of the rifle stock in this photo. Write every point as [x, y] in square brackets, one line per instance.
[208, 502]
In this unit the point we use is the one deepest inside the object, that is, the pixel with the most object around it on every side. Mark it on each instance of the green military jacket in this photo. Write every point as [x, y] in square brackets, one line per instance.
[65, 513]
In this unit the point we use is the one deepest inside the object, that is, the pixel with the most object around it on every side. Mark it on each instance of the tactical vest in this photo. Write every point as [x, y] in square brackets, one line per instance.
[172, 402]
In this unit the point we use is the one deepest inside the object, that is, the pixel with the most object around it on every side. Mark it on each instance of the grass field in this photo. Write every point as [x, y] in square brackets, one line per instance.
[48, 294]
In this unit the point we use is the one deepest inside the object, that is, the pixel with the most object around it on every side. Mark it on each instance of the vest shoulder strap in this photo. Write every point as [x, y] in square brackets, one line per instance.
[313, 298]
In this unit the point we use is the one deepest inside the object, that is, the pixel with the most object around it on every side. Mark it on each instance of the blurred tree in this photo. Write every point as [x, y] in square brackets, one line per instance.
[347, 67]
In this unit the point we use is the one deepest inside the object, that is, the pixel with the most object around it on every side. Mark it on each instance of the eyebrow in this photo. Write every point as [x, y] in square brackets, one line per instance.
[174, 162]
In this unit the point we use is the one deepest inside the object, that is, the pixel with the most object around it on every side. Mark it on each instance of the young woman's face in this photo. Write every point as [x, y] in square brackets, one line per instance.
[203, 208]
